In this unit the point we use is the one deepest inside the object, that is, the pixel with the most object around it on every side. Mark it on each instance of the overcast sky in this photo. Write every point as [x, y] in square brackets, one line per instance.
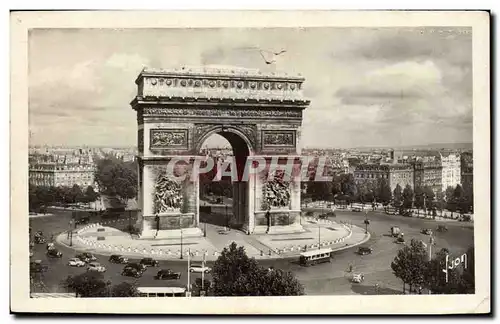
[368, 87]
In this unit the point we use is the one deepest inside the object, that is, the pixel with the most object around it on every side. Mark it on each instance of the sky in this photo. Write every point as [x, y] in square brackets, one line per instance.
[367, 86]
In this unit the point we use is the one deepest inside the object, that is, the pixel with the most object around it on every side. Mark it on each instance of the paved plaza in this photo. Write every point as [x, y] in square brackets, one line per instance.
[105, 239]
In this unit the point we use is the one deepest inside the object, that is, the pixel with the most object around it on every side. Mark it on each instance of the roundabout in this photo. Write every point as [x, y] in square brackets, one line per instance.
[324, 279]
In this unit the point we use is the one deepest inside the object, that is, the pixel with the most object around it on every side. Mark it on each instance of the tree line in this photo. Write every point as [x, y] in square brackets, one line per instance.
[343, 189]
[413, 267]
[41, 197]
[113, 176]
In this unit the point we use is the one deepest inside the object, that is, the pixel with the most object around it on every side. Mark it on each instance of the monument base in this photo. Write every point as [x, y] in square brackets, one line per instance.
[279, 229]
[171, 234]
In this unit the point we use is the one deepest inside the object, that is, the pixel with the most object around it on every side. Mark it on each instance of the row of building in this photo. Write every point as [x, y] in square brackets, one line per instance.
[439, 173]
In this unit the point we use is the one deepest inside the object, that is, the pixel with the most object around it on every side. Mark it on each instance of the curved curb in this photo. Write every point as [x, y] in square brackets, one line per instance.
[109, 249]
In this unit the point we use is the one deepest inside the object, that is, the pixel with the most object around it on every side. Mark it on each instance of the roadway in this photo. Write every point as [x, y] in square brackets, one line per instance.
[324, 279]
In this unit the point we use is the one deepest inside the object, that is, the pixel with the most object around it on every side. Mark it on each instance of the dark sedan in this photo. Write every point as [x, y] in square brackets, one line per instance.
[167, 274]
[149, 262]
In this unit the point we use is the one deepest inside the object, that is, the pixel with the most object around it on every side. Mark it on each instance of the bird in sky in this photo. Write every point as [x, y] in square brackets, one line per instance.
[270, 57]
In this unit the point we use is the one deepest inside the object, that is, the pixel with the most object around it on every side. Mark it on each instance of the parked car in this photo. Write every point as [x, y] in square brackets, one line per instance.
[400, 240]
[149, 262]
[327, 215]
[199, 268]
[40, 240]
[94, 266]
[89, 256]
[442, 228]
[131, 272]
[137, 266]
[426, 231]
[395, 231]
[120, 259]
[357, 278]
[53, 253]
[82, 221]
[407, 213]
[363, 250]
[37, 266]
[206, 283]
[166, 274]
[356, 209]
[75, 262]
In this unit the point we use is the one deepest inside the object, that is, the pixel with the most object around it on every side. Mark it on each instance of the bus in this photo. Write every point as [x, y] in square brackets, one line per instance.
[162, 291]
[316, 256]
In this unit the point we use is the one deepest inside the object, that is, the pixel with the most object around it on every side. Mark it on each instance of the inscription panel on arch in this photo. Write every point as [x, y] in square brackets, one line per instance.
[278, 138]
[168, 139]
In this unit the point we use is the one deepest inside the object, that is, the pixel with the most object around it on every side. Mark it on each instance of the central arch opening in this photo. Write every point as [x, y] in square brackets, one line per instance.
[224, 200]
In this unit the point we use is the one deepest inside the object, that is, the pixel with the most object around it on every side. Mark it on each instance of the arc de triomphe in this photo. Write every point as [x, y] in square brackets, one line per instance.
[259, 114]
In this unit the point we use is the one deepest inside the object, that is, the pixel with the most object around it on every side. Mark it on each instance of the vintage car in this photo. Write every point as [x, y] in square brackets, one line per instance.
[199, 268]
[75, 262]
[357, 278]
[442, 228]
[149, 262]
[426, 231]
[364, 250]
[131, 272]
[89, 256]
[357, 209]
[37, 266]
[40, 240]
[400, 240]
[396, 231]
[53, 253]
[137, 266]
[95, 266]
[167, 274]
[120, 259]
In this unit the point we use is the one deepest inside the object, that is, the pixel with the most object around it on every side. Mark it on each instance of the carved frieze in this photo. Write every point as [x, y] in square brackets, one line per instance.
[168, 196]
[276, 192]
[281, 138]
[221, 112]
[168, 138]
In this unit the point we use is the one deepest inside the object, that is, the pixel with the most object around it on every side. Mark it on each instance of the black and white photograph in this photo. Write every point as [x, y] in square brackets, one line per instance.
[200, 164]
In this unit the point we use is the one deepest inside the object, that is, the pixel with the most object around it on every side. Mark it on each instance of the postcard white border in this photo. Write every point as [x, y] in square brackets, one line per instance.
[432, 304]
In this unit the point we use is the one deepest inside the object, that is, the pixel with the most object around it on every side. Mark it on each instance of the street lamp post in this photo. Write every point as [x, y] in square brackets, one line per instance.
[181, 244]
[367, 222]
[319, 235]
[71, 222]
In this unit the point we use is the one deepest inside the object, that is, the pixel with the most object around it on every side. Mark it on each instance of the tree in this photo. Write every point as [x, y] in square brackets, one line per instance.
[440, 201]
[90, 194]
[460, 281]
[384, 194]
[116, 178]
[408, 197]
[76, 194]
[124, 289]
[410, 264]
[235, 274]
[88, 284]
[451, 204]
[419, 198]
[460, 199]
[320, 190]
[398, 197]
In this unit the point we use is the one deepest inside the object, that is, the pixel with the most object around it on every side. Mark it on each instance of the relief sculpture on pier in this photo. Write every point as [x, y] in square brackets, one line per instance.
[167, 195]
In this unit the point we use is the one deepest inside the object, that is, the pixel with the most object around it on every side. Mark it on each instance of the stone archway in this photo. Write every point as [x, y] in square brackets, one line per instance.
[259, 114]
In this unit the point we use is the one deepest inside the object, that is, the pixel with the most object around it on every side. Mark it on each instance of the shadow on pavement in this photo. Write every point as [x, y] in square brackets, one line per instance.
[372, 290]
